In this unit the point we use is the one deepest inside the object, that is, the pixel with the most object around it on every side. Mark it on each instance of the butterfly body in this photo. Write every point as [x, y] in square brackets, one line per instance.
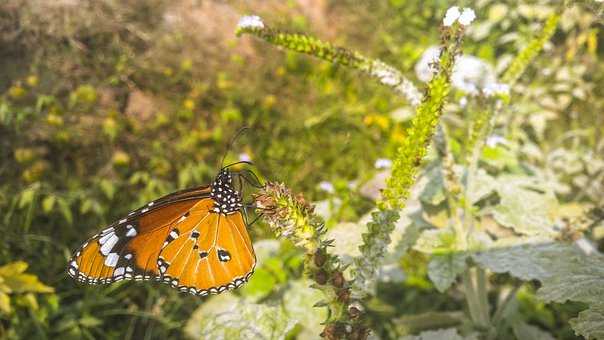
[195, 240]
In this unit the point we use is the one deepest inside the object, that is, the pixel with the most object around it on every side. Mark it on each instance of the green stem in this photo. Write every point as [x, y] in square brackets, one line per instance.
[474, 283]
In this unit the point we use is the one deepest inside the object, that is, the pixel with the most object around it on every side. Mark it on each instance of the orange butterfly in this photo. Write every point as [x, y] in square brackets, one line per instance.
[195, 240]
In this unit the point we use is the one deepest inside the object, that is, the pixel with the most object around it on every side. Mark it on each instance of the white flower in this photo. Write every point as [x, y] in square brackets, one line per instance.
[244, 157]
[494, 140]
[451, 16]
[463, 102]
[327, 187]
[383, 163]
[494, 89]
[471, 74]
[467, 16]
[424, 69]
[250, 21]
[386, 76]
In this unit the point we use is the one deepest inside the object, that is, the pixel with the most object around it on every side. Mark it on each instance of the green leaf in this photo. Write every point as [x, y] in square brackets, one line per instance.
[436, 241]
[14, 279]
[299, 302]
[590, 323]
[65, 209]
[13, 269]
[107, 187]
[443, 269]
[441, 334]
[4, 303]
[48, 203]
[565, 273]
[27, 197]
[228, 317]
[526, 211]
[522, 330]
[530, 261]
[90, 321]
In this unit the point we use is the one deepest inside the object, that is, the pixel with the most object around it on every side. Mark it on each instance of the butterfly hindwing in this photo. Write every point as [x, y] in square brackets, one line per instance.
[209, 257]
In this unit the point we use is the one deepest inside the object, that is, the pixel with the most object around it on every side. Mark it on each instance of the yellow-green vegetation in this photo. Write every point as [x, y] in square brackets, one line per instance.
[451, 189]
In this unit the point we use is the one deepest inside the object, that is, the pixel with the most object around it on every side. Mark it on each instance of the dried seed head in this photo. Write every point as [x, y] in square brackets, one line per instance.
[354, 312]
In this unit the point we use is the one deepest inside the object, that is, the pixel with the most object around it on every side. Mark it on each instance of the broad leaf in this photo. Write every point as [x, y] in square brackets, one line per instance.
[522, 330]
[228, 317]
[441, 334]
[526, 211]
[443, 269]
[590, 323]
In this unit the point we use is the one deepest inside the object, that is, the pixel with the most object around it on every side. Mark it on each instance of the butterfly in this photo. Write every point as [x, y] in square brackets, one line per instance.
[194, 240]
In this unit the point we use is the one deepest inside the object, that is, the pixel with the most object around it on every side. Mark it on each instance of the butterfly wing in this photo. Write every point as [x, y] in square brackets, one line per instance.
[209, 255]
[125, 249]
[178, 239]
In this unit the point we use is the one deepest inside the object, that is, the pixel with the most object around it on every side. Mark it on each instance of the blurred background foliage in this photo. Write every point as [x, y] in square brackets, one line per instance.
[107, 104]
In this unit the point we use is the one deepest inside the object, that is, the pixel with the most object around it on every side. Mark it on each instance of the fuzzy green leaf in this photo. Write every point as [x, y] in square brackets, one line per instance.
[590, 323]
[228, 317]
[523, 330]
[441, 334]
[443, 269]
[526, 211]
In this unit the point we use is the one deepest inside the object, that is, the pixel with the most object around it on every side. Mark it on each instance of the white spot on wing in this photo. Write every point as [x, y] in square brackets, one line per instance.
[131, 232]
[111, 259]
[106, 248]
[119, 271]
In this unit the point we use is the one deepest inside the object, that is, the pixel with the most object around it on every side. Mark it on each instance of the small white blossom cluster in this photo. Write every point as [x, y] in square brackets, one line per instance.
[470, 74]
[327, 187]
[244, 157]
[250, 21]
[464, 17]
[494, 140]
[383, 163]
[389, 76]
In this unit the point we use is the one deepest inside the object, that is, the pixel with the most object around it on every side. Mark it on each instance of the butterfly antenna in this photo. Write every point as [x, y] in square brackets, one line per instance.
[231, 143]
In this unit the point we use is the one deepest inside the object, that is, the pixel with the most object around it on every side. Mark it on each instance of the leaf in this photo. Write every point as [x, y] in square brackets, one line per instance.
[522, 330]
[299, 301]
[443, 269]
[434, 192]
[228, 317]
[579, 278]
[267, 273]
[483, 185]
[13, 269]
[441, 334]
[90, 321]
[4, 303]
[27, 197]
[65, 210]
[108, 188]
[526, 211]
[48, 203]
[530, 261]
[590, 323]
[436, 241]
[18, 282]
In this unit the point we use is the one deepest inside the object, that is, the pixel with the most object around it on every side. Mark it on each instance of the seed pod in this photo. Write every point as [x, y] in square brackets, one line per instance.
[321, 277]
[337, 279]
[320, 258]
[344, 295]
